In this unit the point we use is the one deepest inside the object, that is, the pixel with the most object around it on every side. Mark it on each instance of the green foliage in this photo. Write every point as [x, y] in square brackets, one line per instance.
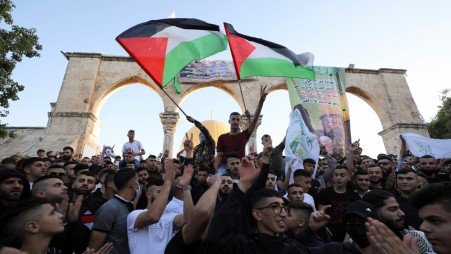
[440, 126]
[15, 43]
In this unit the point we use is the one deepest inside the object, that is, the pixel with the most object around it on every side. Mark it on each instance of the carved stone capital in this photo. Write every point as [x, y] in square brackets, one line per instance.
[169, 120]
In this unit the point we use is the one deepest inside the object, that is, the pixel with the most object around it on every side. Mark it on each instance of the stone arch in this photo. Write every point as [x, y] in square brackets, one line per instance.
[91, 77]
[103, 94]
[388, 94]
[370, 100]
[215, 84]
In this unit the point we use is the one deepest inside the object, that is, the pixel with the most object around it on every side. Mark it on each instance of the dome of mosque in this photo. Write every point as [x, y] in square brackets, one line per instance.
[216, 128]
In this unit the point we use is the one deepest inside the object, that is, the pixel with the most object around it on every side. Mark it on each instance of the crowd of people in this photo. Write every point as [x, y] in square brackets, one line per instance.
[218, 198]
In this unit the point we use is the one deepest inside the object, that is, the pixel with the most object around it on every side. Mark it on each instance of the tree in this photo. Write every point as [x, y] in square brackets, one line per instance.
[440, 126]
[15, 43]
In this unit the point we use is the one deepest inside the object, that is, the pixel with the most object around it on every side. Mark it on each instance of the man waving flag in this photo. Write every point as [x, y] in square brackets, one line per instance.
[257, 57]
[163, 47]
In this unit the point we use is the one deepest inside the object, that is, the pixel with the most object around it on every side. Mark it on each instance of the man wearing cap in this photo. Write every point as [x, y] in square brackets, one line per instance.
[13, 187]
[357, 213]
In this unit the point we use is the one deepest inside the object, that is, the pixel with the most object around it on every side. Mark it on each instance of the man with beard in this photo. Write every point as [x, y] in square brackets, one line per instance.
[385, 164]
[224, 190]
[68, 153]
[84, 185]
[375, 174]
[233, 164]
[13, 187]
[428, 166]
[390, 213]
[361, 182]
[34, 168]
[407, 182]
[143, 176]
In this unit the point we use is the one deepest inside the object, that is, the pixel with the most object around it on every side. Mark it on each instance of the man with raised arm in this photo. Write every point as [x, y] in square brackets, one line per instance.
[236, 140]
[150, 230]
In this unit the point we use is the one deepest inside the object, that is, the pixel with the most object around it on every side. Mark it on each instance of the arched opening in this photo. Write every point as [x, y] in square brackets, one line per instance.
[276, 117]
[365, 125]
[204, 104]
[137, 107]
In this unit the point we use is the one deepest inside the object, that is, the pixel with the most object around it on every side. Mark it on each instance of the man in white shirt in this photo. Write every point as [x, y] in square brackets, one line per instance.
[133, 146]
[151, 229]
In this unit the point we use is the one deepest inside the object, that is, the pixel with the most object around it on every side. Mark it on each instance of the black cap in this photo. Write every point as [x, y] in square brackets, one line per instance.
[361, 208]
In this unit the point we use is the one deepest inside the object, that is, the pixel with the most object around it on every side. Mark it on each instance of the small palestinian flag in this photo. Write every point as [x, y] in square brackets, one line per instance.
[257, 57]
[163, 47]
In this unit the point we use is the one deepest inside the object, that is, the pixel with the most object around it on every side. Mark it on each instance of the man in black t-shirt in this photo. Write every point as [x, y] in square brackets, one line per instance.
[339, 197]
[407, 182]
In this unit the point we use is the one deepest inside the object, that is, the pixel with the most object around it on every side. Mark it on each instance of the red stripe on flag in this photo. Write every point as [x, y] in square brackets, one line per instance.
[149, 53]
[240, 48]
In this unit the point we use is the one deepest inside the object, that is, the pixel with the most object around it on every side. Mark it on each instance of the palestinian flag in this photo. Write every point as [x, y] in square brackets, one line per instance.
[257, 57]
[163, 47]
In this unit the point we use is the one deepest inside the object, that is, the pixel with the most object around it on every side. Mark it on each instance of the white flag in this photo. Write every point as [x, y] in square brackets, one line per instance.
[420, 145]
[300, 143]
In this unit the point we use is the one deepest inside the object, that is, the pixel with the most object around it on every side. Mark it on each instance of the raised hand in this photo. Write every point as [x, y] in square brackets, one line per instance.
[188, 143]
[187, 175]
[354, 146]
[74, 209]
[319, 219]
[170, 167]
[214, 179]
[248, 172]
[170, 170]
[385, 241]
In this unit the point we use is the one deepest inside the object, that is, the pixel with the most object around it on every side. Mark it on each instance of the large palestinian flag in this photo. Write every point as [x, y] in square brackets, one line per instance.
[257, 57]
[163, 47]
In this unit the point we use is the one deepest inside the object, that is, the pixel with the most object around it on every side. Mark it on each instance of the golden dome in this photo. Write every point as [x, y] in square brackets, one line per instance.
[216, 128]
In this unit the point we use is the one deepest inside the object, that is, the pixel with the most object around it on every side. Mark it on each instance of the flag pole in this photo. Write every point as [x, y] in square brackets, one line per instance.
[174, 102]
[242, 96]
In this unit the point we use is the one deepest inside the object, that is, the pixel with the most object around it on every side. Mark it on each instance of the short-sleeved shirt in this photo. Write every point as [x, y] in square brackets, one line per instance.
[339, 202]
[111, 218]
[135, 146]
[153, 238]
[233, 143]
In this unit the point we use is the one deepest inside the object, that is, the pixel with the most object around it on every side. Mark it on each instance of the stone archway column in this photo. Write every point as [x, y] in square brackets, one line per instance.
[169, 121]
[245, 124]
